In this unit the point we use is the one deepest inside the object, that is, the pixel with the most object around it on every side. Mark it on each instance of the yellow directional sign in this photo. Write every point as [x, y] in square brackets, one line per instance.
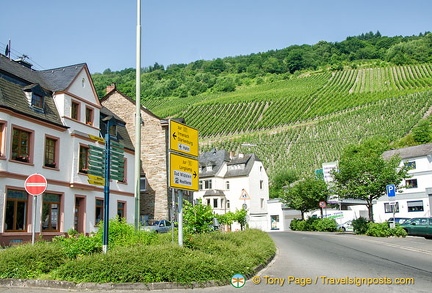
[183, 139]
[183, 172]
[93, 177]
[96, 182]
[97, 138]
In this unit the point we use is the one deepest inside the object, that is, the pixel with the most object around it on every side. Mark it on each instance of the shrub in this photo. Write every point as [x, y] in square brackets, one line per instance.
[383, 230]
[29, 261]
[360, 225]
[314, 224]
[73, 247]
[204, 257]
[325, 225]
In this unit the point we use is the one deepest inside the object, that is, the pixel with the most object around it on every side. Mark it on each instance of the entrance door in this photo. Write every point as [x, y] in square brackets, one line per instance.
[79, 221]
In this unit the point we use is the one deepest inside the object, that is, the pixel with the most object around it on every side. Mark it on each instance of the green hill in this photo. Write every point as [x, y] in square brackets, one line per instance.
[296, 119]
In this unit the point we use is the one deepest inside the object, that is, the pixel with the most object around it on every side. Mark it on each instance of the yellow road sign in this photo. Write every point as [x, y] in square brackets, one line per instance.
[183, 139]
[183, 172]
[97, 138]
[94, 177]
[96, 182]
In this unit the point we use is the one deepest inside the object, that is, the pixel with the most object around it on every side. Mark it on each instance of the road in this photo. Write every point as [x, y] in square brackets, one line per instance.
[330, 262]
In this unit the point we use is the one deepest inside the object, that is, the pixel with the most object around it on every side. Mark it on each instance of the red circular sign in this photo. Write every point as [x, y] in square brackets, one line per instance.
[322, 204]
[35, 184]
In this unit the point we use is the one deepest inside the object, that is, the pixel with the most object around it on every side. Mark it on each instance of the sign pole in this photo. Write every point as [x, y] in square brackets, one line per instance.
[34, 218]
[180, 217]
[107, 185]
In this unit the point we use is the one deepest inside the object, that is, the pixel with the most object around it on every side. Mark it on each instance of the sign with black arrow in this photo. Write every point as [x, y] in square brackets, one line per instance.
[183, 138]
[183, 172]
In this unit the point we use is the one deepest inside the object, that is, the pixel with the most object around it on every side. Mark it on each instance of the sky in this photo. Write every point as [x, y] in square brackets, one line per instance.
[102, 33]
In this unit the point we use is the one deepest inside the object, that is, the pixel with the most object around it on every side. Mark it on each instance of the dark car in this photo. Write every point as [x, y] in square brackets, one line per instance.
[419, 227]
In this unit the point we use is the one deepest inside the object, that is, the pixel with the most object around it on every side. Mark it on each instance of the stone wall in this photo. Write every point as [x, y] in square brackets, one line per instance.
[154, 202]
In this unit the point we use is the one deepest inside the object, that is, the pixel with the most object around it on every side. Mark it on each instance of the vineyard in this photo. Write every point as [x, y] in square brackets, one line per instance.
[306, 120]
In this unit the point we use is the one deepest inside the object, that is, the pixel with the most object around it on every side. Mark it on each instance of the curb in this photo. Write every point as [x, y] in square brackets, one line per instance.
[66, 285]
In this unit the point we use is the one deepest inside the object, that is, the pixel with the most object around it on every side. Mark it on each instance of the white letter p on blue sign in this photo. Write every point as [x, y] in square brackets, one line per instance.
[391, 190]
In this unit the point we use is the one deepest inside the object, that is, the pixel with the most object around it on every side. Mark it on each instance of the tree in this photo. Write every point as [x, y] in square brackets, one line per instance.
[364, 173]
[306, 194]
[281, 180]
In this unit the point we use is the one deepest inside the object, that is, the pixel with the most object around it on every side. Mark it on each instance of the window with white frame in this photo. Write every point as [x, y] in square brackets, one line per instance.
[388, 207]
[415, 206]
[227, 185]
[411, 164]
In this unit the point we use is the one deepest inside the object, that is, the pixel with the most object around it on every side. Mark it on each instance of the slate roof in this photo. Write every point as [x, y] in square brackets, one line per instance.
[410, 152]
[216, 159]
[122, 134]
[212, 158]
[15, 78]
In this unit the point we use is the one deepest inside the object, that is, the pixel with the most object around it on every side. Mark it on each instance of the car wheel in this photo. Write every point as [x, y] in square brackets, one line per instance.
[343, 229]
[428, 237]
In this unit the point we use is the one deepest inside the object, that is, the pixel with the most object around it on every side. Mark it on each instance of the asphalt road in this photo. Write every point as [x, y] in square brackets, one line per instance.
[330, 262]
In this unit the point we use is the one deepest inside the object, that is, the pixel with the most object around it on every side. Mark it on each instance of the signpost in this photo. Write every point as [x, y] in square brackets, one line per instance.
[391, 194]
[183, 164]
[35, 184]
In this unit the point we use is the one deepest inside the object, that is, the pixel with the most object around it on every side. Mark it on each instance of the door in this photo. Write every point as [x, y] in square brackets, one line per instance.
[79, 214]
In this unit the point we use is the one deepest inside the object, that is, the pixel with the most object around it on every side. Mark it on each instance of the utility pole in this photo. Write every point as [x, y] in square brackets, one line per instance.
[138, 119]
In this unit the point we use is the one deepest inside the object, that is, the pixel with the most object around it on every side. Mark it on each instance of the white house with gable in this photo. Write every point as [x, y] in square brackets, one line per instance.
[415, 198]
[229, 182]
[47, 121]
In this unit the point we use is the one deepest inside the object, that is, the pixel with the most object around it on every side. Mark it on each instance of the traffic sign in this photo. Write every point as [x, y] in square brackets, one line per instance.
[322, 204]
[35, 184]
[183, 172]
[96, 182]
[97, 138]
[391, 190]
[183, 139]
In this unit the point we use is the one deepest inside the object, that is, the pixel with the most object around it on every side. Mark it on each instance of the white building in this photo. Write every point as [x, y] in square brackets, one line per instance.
[47, 119]
[230, 183]
[415, 199]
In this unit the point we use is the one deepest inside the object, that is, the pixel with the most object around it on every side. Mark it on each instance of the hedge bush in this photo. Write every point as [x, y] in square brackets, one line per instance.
[383, 230]
[30, 261]
[204, 257]
[314, 224]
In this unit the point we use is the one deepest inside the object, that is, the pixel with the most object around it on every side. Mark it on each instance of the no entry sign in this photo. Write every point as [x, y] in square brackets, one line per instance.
[35, 184]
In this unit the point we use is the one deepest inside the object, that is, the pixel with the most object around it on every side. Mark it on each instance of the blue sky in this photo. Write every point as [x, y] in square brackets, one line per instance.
[102, 33]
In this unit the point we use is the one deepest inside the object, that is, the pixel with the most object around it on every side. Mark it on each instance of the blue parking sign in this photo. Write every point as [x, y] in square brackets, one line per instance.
[391, 190]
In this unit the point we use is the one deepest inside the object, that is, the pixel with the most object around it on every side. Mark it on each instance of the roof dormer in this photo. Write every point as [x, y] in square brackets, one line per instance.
[35, 97]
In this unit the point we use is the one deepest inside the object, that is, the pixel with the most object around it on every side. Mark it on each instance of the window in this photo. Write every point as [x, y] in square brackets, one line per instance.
[411, 183]
[143, 182]
[261, 184]
[207, 184]
[262, 203]
[415, 206]
[2, 126]
[215, 203]
[121, 209]
[99, 211]
[83, 159]
[89, 116]
[200, 184]
[50, 152]
[411, 164]
[228, 204]
[21, 145]
[227, 185]
[51, 212]
[75, 111]
[37, 101]
[208, 201]
[16, 211]
[388, 208]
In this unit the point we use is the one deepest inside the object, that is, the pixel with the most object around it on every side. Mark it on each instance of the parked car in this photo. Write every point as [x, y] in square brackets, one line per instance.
[398, 220]
[161, 226]
[347, 226]
[419, 227]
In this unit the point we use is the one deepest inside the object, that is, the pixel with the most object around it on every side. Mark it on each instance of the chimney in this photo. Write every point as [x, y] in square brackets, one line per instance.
[110, 88]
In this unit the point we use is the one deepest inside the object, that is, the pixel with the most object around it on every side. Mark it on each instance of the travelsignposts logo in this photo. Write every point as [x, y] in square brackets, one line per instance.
[238, 281]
